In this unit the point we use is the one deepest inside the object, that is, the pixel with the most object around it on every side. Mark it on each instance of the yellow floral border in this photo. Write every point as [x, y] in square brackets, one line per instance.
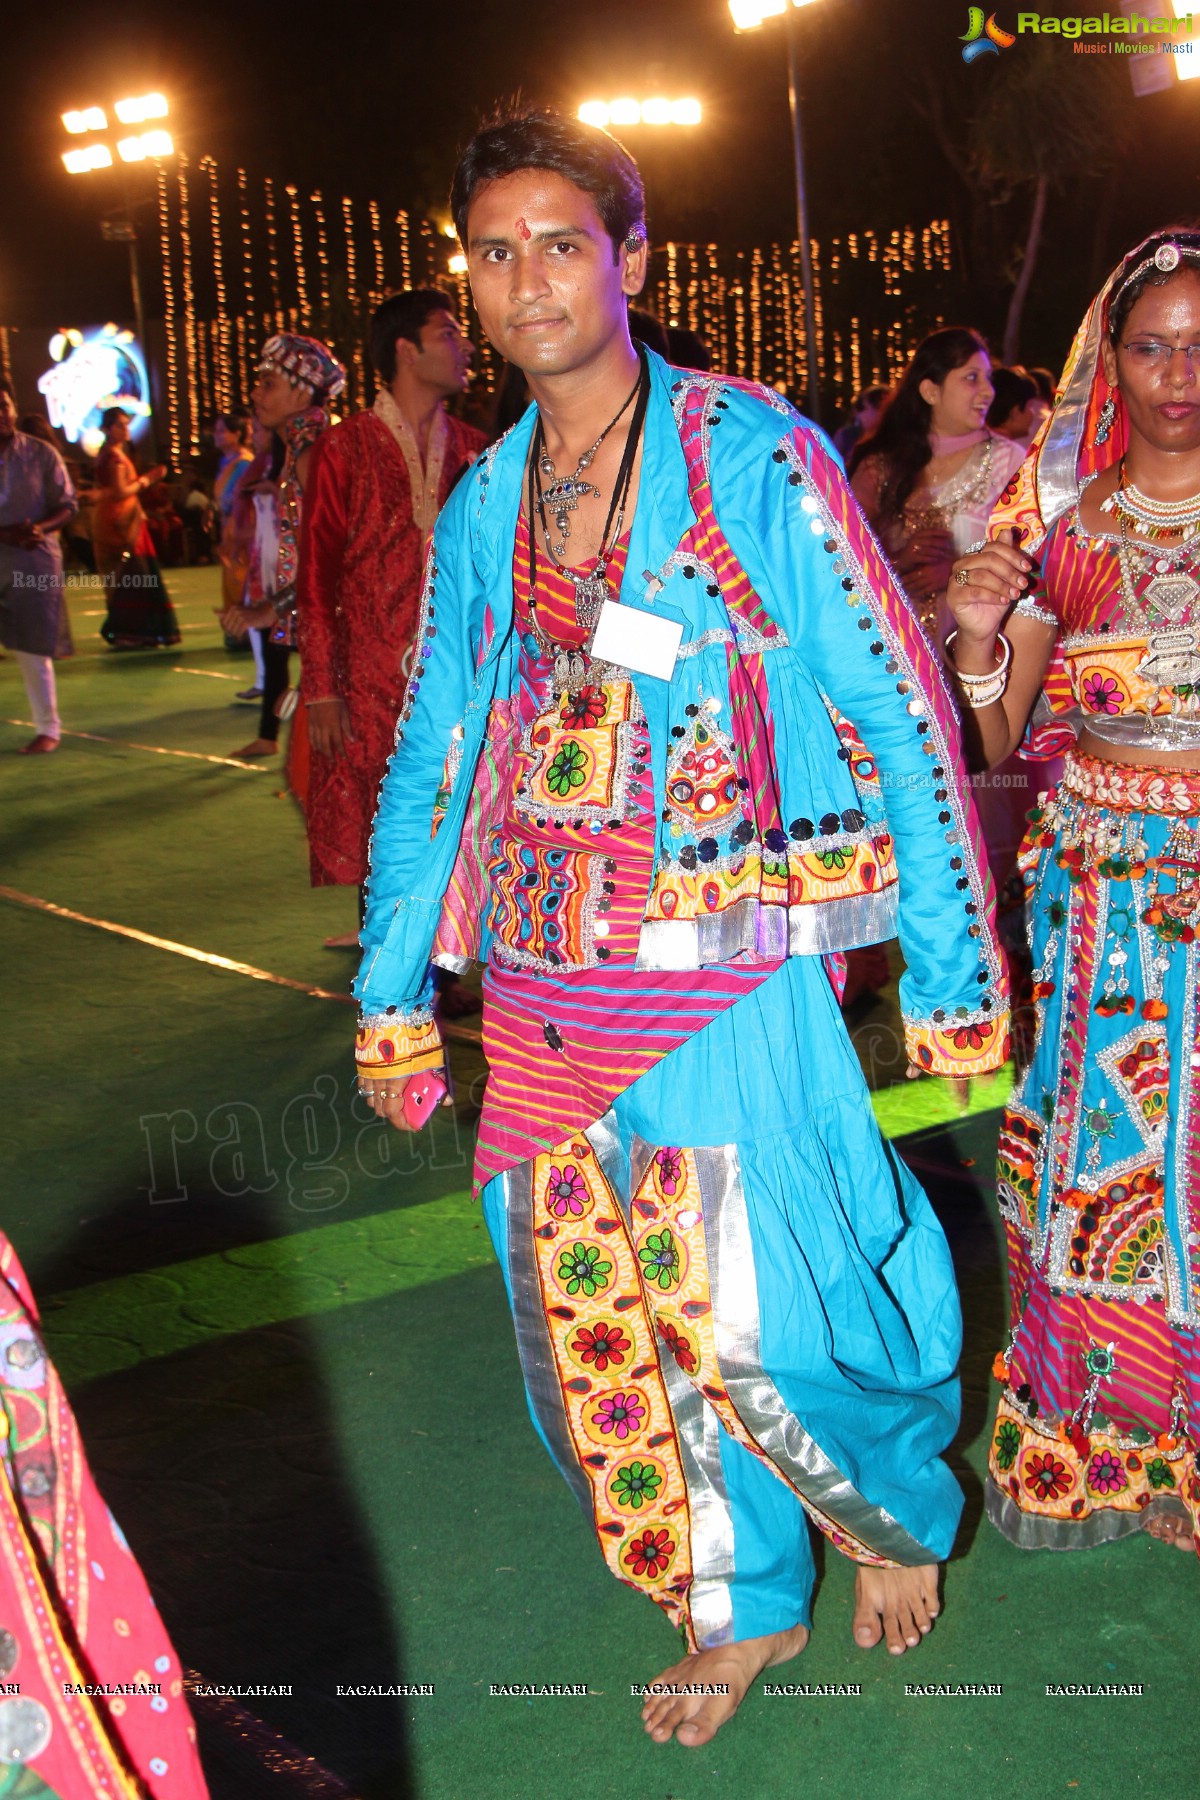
[969, 1047]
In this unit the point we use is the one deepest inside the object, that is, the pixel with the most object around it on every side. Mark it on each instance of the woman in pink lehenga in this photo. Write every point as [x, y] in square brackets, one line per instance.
[91, 1691]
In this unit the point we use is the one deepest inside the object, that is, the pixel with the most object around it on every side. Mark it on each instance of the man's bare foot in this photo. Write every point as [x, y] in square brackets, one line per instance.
[1171, 1526]
[696, 1717]
[897, 1604]
[260, 747]
[347, 941]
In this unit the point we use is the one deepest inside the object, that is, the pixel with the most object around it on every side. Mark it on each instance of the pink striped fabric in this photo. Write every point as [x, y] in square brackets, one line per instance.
[748, 694]
[560, 1051]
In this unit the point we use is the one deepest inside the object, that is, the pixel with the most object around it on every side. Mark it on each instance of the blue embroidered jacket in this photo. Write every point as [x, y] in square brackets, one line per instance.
[851, 819]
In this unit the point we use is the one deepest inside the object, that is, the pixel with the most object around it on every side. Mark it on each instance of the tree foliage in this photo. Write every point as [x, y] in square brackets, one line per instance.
[1047, 113]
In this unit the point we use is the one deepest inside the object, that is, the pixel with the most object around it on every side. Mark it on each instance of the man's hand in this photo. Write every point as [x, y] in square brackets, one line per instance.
[24, 536]
[237, 621]
[386, 1097]
[328, 726]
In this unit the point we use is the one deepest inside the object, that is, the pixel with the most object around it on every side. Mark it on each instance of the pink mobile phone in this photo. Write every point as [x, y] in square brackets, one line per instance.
[421, 1096]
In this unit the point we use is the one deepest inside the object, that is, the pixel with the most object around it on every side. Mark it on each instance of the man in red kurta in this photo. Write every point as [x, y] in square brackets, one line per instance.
[375, 487]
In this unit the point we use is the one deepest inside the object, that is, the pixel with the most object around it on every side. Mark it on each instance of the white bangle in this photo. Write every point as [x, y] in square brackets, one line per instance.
[979, 691]
[1001, 668]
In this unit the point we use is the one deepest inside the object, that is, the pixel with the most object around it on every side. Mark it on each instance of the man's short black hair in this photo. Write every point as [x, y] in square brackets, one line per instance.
[544, 139]
[401, 316]
[235, 420]
[1012, 390]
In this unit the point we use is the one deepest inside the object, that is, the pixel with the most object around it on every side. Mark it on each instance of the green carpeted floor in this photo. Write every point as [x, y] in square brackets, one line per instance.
[287, 1342]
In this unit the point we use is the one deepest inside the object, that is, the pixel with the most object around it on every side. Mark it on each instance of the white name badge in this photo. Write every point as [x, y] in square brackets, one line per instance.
[642, 641]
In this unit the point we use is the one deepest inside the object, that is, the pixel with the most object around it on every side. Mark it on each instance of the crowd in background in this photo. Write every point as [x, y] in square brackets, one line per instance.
[927, 457]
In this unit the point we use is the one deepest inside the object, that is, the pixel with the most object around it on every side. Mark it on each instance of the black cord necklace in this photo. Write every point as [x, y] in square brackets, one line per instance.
[590, 590]
[563, 493]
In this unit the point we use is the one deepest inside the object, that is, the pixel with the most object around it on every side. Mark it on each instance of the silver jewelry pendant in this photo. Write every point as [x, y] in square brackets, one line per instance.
[1170, 595]
[564, 495]
[590, 595]
[1172, 659]
[1104, 422]
[570, 671]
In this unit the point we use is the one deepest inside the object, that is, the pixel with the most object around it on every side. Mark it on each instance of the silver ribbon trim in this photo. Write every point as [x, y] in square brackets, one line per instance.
[771, 932]
[1058, 463]
[760, 1406]
[1033, 1531]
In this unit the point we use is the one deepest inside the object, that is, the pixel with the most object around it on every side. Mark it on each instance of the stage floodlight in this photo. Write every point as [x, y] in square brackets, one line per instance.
[748, 14]
[91, 118]
[92, 156]
[146, 106]
[594, 112]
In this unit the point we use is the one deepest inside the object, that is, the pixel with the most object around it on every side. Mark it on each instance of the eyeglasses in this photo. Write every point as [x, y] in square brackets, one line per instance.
[1158, 356]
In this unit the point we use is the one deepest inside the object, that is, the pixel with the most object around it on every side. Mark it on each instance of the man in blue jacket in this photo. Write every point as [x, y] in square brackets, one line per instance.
[664, 684]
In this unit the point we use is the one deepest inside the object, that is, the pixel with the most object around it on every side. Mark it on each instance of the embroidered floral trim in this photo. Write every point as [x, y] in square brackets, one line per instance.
[972, 1045]
[1057, 1470]
[615, 1407]
[388, 1043]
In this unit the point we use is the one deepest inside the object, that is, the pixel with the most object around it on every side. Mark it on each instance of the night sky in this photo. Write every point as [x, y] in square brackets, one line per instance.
[373, 102]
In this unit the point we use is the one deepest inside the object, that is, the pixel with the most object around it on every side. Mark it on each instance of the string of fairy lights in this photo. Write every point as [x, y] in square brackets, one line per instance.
[170, 317]
[875, 292]
[190, 334]
[302, 306]
[244, 346]
[379, 280]
[317, 202]
[276, 312]
[222, 373]
[405, 249]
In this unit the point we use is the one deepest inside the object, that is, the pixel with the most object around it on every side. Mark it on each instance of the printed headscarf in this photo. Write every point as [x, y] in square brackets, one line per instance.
[1087, 431]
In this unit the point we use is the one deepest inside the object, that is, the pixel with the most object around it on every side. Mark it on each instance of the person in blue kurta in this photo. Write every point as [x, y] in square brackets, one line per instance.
[673, 743]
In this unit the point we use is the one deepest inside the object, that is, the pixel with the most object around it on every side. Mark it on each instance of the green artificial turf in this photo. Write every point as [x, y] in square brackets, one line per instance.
[288, 1345]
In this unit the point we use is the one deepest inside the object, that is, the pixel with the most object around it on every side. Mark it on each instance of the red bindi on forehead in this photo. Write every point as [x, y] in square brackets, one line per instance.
[523, 231]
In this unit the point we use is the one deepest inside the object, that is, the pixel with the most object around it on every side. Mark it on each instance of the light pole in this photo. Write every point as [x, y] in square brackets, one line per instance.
[119, 226]
[747, 16]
